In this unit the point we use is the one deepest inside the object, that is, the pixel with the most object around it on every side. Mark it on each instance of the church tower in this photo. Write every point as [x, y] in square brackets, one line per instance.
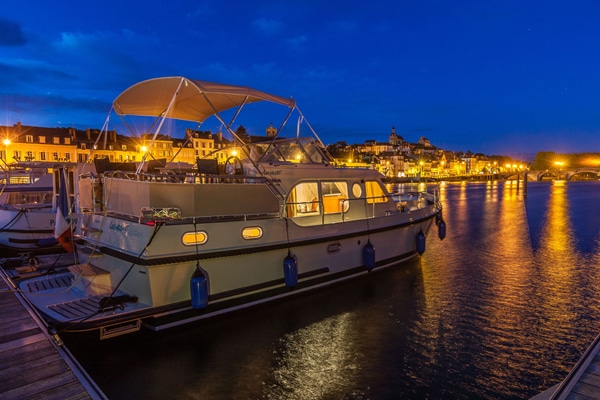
[393, 140]
[271, 131]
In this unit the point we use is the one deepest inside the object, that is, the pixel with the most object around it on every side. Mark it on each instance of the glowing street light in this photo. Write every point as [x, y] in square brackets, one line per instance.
[6, 144]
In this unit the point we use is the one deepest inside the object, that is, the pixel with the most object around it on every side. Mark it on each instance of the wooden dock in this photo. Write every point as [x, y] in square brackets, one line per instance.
[34, 364]
[583, 382]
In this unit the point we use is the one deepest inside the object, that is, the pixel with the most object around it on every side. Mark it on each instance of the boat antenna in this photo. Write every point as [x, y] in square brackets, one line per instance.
[103, 131]
[309, 126]
[300, 119]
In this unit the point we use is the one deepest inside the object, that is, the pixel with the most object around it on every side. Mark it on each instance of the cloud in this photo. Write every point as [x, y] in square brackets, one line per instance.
[11, 34]
[17, 72]
[269, 27]
[297, 41]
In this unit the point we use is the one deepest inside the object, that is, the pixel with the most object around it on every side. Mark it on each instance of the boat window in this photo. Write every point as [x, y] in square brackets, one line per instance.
[335, 197]
[375, 193]
[356, 190]
[194, 238]
[252, 232]
[30, 198]
[303, 199]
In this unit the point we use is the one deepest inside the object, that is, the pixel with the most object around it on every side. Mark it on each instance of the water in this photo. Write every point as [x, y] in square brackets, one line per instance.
[501, 308]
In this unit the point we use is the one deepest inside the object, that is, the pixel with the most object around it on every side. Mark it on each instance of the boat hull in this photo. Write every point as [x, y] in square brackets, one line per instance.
[238, 276]
[27, 230]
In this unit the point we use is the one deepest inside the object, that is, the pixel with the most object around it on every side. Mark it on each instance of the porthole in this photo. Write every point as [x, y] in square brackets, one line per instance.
[252, 232]
[356, 190]
[194, 238]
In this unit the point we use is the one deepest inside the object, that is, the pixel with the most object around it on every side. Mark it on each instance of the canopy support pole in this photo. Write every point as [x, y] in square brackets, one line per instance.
[162, 121]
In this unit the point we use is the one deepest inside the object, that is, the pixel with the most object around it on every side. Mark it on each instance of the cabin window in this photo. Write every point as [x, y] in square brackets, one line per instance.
[374, 192]
[252, 232]
[30, 198]
[335, 197]
[194, 238]
[303, 199]
[29, 138]
[356, 190]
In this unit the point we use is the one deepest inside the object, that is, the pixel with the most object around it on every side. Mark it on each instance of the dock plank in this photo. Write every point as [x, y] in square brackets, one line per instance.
[33, 366]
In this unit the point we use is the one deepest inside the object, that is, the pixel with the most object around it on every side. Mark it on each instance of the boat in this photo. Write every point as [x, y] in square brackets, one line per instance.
[28, 194]
[158, 248]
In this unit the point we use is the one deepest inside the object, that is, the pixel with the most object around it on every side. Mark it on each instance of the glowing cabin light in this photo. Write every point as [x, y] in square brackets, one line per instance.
[144, 149]
[234, 153]
[252, 232]
[6, 142]
[194, 238]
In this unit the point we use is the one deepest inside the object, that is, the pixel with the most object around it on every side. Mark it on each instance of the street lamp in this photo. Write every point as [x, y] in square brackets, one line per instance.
[6, 144]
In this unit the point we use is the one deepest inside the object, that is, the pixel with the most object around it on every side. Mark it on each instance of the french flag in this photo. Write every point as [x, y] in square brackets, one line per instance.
[62, 227]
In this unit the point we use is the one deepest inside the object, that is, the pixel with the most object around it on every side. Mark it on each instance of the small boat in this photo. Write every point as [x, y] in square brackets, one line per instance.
[28, 208]
[162, 248]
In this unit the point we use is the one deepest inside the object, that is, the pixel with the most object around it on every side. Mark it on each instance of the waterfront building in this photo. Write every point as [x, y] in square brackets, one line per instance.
[397, 157]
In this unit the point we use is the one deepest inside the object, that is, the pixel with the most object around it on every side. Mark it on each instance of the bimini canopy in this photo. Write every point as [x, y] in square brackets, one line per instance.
[187, 99]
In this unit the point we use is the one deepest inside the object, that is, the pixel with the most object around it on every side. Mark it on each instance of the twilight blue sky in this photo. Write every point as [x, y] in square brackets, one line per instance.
[497, 77]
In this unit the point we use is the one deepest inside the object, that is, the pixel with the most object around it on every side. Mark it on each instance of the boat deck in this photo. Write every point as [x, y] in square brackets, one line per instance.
[583, 382]
[35, 365]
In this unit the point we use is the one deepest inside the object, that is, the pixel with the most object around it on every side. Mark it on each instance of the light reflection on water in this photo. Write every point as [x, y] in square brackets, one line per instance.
[501, 308]
[315, 361]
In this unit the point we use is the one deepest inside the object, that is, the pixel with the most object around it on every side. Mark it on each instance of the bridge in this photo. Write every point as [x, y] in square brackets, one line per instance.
[565, 174]
[581, 174]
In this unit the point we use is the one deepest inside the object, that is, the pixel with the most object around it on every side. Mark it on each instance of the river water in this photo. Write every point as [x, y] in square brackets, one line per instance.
[501, 308]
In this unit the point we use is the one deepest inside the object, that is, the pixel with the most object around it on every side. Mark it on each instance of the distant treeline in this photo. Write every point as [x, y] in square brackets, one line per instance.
[546, 160]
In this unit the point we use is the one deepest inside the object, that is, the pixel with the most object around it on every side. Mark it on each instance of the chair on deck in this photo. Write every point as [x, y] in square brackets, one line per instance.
[102, 165]
[207, 166]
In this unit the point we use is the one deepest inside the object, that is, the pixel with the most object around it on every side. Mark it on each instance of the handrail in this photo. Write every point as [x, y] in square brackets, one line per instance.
[566, 386]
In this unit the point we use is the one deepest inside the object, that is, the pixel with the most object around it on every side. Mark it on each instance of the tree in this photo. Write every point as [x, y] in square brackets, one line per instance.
[242, 134]
[544, 160]
[341, 150]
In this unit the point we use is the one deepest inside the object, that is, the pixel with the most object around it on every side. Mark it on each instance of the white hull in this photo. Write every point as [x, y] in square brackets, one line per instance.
[26, 229]
[284, 220]
[27, 211]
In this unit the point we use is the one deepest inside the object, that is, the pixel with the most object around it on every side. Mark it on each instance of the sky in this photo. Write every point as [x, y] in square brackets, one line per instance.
[498, 77]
